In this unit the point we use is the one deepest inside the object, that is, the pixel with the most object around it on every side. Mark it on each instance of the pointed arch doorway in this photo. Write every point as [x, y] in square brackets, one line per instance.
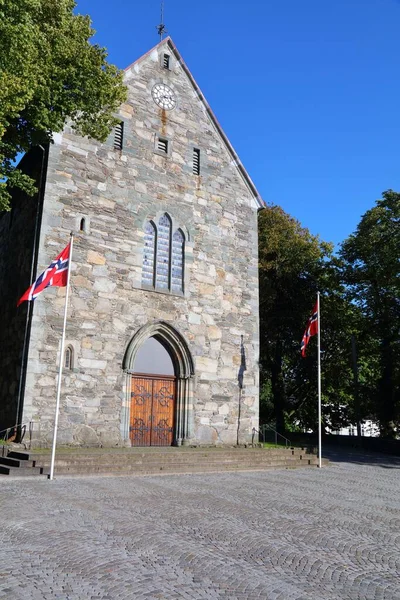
[153, 396]
[160, 372]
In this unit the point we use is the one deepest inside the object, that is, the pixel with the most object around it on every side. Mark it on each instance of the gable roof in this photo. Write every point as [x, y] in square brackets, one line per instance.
[239, 165]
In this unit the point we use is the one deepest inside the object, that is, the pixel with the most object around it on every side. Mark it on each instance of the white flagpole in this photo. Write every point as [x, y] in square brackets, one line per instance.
[53, 450]
[319, 385]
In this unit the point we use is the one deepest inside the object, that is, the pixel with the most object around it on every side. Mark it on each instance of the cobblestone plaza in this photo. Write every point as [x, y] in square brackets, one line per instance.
[305, 534]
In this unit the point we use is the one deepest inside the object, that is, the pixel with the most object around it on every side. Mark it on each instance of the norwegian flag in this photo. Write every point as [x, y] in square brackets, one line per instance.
[55, 275]
[312, 329]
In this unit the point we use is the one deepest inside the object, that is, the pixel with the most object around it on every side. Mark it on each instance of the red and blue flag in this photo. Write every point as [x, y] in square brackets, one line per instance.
[55, 275]
[312, 329]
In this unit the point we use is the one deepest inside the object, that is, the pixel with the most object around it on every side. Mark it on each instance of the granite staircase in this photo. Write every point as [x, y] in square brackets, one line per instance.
[155, 461]
[20, 464]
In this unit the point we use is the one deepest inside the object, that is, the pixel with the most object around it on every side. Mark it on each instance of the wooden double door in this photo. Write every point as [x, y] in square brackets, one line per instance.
[152, 421]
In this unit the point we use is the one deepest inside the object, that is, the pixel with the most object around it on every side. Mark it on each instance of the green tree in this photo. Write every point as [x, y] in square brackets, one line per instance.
[290, 263]
[294, 265]
[372, 273]
[50, 73]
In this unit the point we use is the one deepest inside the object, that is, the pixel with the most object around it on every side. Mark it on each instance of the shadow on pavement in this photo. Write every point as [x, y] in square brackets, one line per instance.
[360, 457]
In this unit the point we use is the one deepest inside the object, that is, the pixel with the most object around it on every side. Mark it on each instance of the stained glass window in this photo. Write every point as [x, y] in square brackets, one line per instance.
[178, 241]
[148, 254]
[163, 252]
[163, 256]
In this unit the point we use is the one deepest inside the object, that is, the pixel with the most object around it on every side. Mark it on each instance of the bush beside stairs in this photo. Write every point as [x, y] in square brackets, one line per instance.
[154, 461]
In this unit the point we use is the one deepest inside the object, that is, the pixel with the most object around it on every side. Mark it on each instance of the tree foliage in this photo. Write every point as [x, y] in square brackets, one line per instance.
[50, 73]
[372, 273]
[360, 311]
[290, 262]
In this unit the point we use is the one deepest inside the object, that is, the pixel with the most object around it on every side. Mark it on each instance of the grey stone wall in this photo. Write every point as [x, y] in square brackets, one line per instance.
[116, 192]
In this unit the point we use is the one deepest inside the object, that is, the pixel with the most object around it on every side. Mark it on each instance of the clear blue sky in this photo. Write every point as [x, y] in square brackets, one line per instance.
[307, 91]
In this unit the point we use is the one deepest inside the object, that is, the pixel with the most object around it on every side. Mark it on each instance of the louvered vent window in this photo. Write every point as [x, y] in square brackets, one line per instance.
[162, 145]
[196, 161]
[148, 254]
[118, 136]
[163, 256]
[166, 61]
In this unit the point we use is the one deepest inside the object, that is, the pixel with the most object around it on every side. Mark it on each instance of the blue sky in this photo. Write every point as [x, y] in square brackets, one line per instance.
[307, 91]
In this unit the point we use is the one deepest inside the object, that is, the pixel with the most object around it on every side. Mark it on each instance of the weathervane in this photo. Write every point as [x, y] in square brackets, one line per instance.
[161, 29]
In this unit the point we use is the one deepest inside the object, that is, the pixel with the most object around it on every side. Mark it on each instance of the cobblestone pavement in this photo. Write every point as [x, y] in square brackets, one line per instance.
[280, 535]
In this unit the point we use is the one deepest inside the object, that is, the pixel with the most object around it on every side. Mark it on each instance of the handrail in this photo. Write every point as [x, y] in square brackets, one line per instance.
[262, 432]
[254, 431]
[16, 431]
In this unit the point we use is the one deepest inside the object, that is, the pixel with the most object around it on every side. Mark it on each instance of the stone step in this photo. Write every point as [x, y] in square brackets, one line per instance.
[157, 466]
[14, 462]
[19, 455]
[164, 454]
[161, 460]
[32, 471]
[161, 454]
[179, 469]
[147, 461]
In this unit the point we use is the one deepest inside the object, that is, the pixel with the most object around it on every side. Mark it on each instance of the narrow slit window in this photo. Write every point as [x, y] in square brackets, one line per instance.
[166, 61]
[162, 145]
[82, 225]
[119, 136]
[68, 358]
[196, 161]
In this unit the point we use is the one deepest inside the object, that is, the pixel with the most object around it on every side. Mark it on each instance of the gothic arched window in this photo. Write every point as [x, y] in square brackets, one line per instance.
[178, 242]
[148, 254]
[163, 253]
[163, 256]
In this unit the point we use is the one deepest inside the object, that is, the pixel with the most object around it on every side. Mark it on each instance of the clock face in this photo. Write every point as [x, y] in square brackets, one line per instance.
[163, 96]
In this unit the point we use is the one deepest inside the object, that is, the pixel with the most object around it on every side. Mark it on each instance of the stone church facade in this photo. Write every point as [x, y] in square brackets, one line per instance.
[162, 336]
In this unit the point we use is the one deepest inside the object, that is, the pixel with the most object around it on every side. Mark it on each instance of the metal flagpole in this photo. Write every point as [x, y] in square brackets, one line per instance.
[319, 385]
[53, 450]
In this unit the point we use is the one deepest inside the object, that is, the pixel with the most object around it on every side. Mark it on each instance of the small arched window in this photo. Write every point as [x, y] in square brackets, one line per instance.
[163, 256]
[82, 225]
[69, 358]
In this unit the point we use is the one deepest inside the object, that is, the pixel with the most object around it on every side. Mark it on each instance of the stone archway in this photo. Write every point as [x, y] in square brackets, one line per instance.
[183, 363]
